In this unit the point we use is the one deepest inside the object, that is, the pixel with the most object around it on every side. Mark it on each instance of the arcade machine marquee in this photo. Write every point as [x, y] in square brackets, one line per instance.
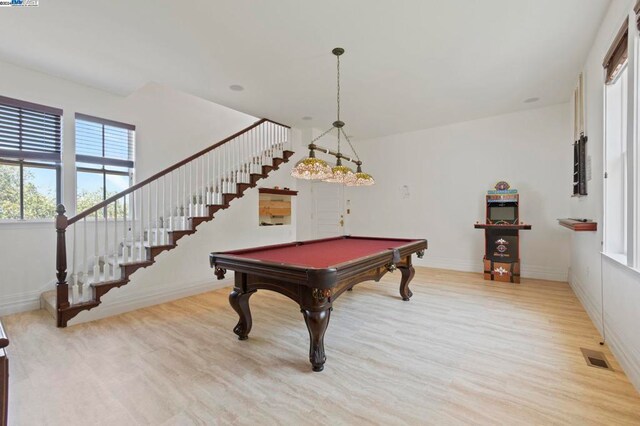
[501, 232]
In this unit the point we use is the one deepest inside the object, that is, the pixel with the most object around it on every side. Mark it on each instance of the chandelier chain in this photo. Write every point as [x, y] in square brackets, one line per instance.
[324, 133]
[350, 144]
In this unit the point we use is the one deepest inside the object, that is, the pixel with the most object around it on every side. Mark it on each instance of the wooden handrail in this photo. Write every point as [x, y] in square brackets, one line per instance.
[169, 169]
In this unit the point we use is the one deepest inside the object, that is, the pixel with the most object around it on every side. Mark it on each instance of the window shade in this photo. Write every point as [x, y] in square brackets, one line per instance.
[617, 55]
[29, 131]
[104, 142]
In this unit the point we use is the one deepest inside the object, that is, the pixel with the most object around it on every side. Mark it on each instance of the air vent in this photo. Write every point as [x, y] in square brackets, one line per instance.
[595, 359]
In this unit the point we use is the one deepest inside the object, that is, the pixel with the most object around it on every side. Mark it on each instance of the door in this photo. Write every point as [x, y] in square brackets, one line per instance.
[328, 215]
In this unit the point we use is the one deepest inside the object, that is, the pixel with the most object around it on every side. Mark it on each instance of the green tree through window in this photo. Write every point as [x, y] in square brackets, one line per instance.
[36, 204]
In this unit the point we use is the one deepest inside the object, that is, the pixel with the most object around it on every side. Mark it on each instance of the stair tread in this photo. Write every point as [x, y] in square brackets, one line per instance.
[92, 303]
[108, 282]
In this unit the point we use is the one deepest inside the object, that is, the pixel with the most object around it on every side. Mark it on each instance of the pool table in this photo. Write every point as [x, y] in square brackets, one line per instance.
[314, 274]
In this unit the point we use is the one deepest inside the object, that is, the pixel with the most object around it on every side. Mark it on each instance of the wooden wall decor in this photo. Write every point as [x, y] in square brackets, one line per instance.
[579, 225]
[501, 233]
[274, 206]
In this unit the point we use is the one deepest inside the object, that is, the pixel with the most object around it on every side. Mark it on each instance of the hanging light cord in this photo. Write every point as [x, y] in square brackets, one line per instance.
[338, 96]
[341, 129]
[338, 91]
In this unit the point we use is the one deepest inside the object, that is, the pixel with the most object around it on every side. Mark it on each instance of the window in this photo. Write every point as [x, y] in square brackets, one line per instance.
[30, 154]
[104, 159]
[616, 165]
[620, 167]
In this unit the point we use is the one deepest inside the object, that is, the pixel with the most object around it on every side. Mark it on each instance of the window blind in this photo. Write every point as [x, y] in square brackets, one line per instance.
[104, 142]
[29, 131]
[616, 57]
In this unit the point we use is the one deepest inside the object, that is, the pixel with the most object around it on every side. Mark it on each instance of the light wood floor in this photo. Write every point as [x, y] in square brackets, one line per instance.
[462, 351]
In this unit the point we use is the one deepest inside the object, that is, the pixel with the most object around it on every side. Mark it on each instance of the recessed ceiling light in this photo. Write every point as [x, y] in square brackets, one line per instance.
[236, 88]
[531, 100]
[307, 118]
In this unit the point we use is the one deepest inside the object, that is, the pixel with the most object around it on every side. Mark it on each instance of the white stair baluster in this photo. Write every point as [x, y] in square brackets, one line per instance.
[156, 220]
[269, 131]
[85, 261]
[254, 149]
[264, 145]
[73, 294]
[163, 216]
[243, 158]
[224, 170]
[219, 175]
[200, 185]
[176, 225]
[134, 218]
[125, 247]
[239, 173]
[96, 258]
[183, 211]
[170, 224]
[179, 188]
[232, 161]
[195, 191]
[140, 245]
[232, 165]
[208, 196]
[190, 194]
[106, 267]
[203, 184]
[114, 267]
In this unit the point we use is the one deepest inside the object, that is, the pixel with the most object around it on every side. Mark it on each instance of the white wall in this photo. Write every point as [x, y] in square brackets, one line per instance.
[449, 169]
[619, 284]
[170, 125]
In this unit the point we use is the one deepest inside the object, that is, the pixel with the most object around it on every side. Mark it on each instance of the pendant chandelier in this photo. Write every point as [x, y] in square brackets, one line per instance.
[313, 168]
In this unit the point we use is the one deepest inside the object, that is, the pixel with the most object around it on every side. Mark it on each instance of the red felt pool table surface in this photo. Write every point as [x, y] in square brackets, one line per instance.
[322, 253]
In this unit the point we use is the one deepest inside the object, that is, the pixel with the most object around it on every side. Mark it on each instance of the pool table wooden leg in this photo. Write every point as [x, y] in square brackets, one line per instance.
[317, 322]
[240, 303]
[407, 275]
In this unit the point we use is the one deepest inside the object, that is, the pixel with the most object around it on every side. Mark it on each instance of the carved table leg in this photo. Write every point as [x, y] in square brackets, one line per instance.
[407, 275]
[317, 322]
[240, 303]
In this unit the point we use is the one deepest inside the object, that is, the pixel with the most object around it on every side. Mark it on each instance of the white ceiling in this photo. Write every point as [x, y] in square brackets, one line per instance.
[408, 65]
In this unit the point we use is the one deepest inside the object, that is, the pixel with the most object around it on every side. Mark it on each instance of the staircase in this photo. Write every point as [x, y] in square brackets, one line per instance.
[110, 241]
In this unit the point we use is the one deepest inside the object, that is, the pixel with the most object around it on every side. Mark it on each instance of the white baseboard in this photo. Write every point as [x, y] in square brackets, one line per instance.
[19, 303]
[544, 272]
[628, 360]
[16, 303]
[526, 270]
[448, 263]
[120, 304]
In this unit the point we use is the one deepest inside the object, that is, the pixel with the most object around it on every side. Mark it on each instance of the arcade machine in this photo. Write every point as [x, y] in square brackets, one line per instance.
[501, 234]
